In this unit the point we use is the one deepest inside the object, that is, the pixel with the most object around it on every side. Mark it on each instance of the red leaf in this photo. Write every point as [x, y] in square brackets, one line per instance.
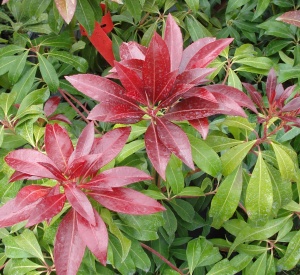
[51, 105]
[156, 67]
[132, 50]
[30, 194]
[116, 177]
[47, 208]
[58, 145]
[94, 236]
[84, 143]
[173, 39]
[271, 86]
[285, 95]
[255, 95]
[21, 176]
[66, 9]
[290, 17]
[135, 65]
[80, 202]
[132, 83]
[60, 117]
[194, 76]
[116, 112]
[201, 125]
[69, 247]
[166, 86]
[157, 152]
[26, 161]
[200, 92]
[54, 170]
[192, 49]
[128, 201]
[175, 140]
[293, 105]
[233, 93]
[208, 53]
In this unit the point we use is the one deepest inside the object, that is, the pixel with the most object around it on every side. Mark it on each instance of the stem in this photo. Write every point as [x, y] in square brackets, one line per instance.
[162, 258]
[227, 71]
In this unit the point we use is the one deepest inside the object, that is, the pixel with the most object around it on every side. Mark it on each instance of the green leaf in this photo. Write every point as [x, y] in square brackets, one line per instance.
[251, 250]
[17, 67]
[170, 221]
[6, 64]
[263, 63]
[239, 122]
[196, 29]
[25, 130]
[277, 29]
[259, 194]
[259, 266]
[226, 200]
[183, 209]
[292, 255]
[62, 41]
[6, 101]
[85, 15]
[285, 163]
[223, 267]
[275, 46]
[240, 261]
[22, 266]
[204, 156]
[193, 5]
[220, 143]
[24, 245]
[287, 72]
[262, 5]
[48, 73]
[174, 176]
[270, 268]
[116, 43]
[10, 50]
[235, 4]
[232, 158]
[134, 7]
[191, 191]
[1, 134]
[148, 34]
[292, 206]
[130, 148]
[139, 257]
[234, 81]
[37, 7]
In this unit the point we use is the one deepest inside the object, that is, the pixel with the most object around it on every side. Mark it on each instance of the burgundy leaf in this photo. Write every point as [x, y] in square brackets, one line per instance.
[238, 96]
[201, 125]
[271, 86]
[66, 9]
[290, 17]
[135, 65]
[60, 117]
[192, 49]
[255, 95]
[156, 67]
[173, 39]
[116, 177]
[58, 145]
[95, 236]
[21, 176]
[116, 112]
[194, 76]
[26, 161]
[157, 152]
[208, 53]
[51, 105]
[175, 140]
[84, 143]
[166, 86]
[285, 95]
[128, 201]
[68, 247]
[295, 120]
[54, 170]
[293, 105]
[132, 83]
[132, 50]
[47, 208]
[200, 92]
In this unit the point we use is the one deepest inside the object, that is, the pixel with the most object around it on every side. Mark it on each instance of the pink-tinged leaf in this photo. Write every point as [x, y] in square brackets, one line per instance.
[21, 176]
[238, 96]
[95, 236]
[116, 112]
[4, 1]
[255, 95]
[208, 53]
[68, 247]
[132, 50]
[290, 17]
[128, 201]
[271, 86]
[100, 88]
[116, 177]
[285, 95]
[192, 49]
[58, 145]
[194, 76]
[173, 39]
[166, 86]
[156, 67]
[26, 161]
[30, 194]
[47, 208]
[201, 125]
[132, 83]
[66, 9]
[175, 140]
[51, 105]
[293, 105]
[54, 170]
[157, 152]
[294, 120]
[135, 65]
[80, 202]
[84, 143]
[60, 117]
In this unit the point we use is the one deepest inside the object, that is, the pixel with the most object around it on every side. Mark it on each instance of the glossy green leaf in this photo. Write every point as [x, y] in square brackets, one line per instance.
[170, 221]
[276, 45]
[232, 158]
[174, 176]
[251, 249]
[235, 4]
[220, 143]
[234, 81]
[183, 209]
[10, 50]
[191, 191]
[6, 64]
[295, 131]
[193, 5]
[25, 130]
[223, 267]
[259, 194]
[262, 5]
[277, 29]
[196, 29]
[204, 156]
[6, 101]
[37, 7]
[259, 266]
[1, 134]
[148, 34]
[22, 266]
[48, 73]
[139, 257]
[240, 261]
[17, 67]
[270, 268]
[85, 15]
[263, 63]
[134, 7]
[130, 148]
[226, 200]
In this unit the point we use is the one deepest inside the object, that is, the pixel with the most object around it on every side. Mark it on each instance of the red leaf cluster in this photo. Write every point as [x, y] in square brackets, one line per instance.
[160, 84]
[76, 173]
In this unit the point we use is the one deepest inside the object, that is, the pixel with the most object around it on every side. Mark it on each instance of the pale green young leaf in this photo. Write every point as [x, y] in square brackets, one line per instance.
[292, 206]
[193, 5]
[234, 156]
[226, 200]
[259, 266]
[17, 67]
[234, 81]
[263, 63]
[245, 50]
[191, 191]
[220, 143]
[259, 194]
[10, 50]
[130, 148]
[239, 122]
[85, 15]
[1, 134]
[271, 267]
[22, 266]
[287, 228]
[174, 176]
[6, 101]
[6, 63]
[25, 130]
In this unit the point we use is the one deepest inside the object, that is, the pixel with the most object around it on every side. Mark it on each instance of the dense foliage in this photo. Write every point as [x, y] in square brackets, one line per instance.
[149, 137]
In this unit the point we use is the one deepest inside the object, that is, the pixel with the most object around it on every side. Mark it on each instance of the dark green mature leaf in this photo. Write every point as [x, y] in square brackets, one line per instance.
[22, 266]
[62, 41]
[277, 29]
[148, 34]
[174, 176]
[193, 5]
[134, 7]
[139, 257]
[259, 194]
[226, 200]
[37, 7]
[48, 73]
[259, 266]
[235, 4]
[183, 209]
[196, 29]
[17, 67]
[170, 221]
[10, 50]
[262, 5]
[85, 15]
[221, 268]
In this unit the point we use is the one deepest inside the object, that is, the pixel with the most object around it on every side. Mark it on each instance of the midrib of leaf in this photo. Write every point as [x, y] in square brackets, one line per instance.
[69, 260]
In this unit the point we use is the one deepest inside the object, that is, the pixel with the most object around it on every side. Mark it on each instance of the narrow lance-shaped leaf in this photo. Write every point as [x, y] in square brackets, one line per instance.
[66, 9]
[51, 105]
[174, 175]
[290, 17]
[271, 86]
